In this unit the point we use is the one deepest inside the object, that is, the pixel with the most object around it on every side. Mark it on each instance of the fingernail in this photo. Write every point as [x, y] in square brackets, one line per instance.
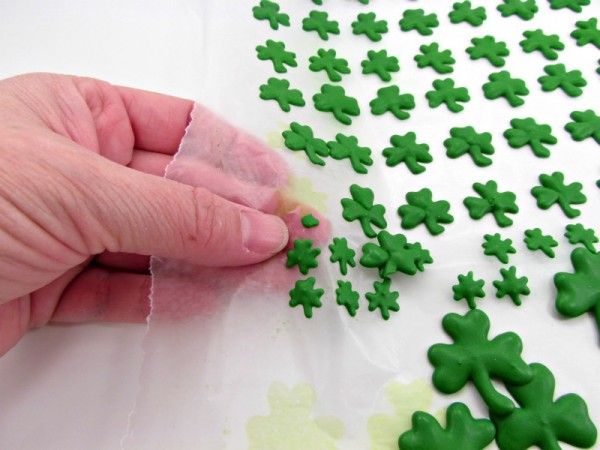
[263, 233]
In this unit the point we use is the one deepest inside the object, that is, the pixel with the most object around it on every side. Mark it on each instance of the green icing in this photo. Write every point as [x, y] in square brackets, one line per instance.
[554, 190]
[361, 207]
[333, 66]
[405, 149]
[346, 147]
[587, 32]
[525, 9]
[268, 10]
[416, 19]
[474, 357]
[528, 132]
[389, 99]
[333, 99]
[512, 286]
[421, 209]
[464, 12]
[535, 239]
[279, 90]
[546, 44]
[494, 245]
[304, 294]
[578, 234]
[444, 91]
[383, 299]
[466, 140]
[367, 24]
[431, 56]
[501, 84]
[319, 21]
[275, 52]
[468, 288]
[342, 254]
[557, 76]
[487, 47]
[585, 124]
[491, 201]
[309, 221]
[347, 297]
[573, 5]
[380, 64]
[301, 138]
[303, 255]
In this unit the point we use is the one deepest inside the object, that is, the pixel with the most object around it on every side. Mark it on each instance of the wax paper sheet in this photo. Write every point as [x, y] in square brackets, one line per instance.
[228, 364]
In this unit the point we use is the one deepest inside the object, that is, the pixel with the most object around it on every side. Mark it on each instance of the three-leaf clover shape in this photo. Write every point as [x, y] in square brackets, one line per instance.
[573, 5]
[528, 132]
[587, 32]
[342, 254]
[279, 90]
[303, 255]
[347, 297]
[494, 245]
[576, 233]
[328, 61]
[557, 76]
[383, 299]
[492, 201]
[268, 10]
[466, 140]
[501, 84]
[487, 47]
[389, 99]
[381, 64]
[347, 147]
[431, 56]
[468, 288]
[525, 9]
[416, 19]
[464, 12]
[367, 24]
[512, 286]
[585, 124]
[444, 91]
[304, 294]
[554, 190]
[406, 149]
[535, 239]
[361, 207]
[546, 44]
[275, 52]
[319, 21]
[422, 209]
[301, 138]
[333, 99]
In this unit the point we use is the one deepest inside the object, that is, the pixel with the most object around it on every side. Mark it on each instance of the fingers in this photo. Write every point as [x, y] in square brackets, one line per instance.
[124, 261]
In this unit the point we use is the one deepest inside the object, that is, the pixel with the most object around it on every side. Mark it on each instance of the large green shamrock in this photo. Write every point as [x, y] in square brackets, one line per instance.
[361, 207]
[268, 10]
[431, 56]
[557, 76]
[389, 99]
[422, 209]
[405, 149]
[347, 147]
[303, 255]
[301, 138]
[528, 132]
[464, 12]
[416, 19]
[587, 32]
[512, 286]
[525, 9]
[462, 431]
[576, 233]
[466, 140]
[326, 60]
[383, 299]
[573, 5]
[468, 288]
[497, 203]
[319, 21]
[494, 245]
[546, 44]
[446, 92]
[380, 64]
[473, 357]
[541, 421]
[275, 52]
[501, 84]
[585, 124]
[487, 47]
[279, 90]
[554, 190]
[304, 294]
[367, 25]
[333, 99]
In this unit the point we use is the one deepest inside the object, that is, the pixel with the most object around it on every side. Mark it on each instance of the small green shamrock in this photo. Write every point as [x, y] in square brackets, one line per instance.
[501, 84]
[528, 132]
[468, 288]
[309, 221]
[573, 5]
[319, 21]
[367, 25]
[578, 234]
[497, 203]
[342, 254]
[462, 431]
[326, 60]
[268, 10]
[535, 239]
[347, 297]
[487, 47]
[380, 64]
[347, 147]
[525, 9]
[546, 44]
[585, 124]
[512, 286]
[554, 190]
[301, 138]
[474, 357]
[557, 76]
[464, 12]
[541, 421]
[405, 149]
[275, 52]
[305, 294]
[467, 141]
[389, 99]
[446, 92]
[361, 207]
[303, 255]
[422, 209]
[587, 32]
[431, 56]
[395, 254]
[383, 299]
[416, 19]
[333, 99]
[494, 245]
[279, 90]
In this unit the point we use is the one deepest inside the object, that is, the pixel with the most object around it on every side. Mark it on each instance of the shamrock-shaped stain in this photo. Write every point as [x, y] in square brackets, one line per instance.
[468, 288]
[512, 286]
[279, 90]
[497, 203]
[319, 21]
[347, 147]
[466, 140]
[309, 221]
[487, 47]
[301, 138]
[421, 209]
[546, 44]
[405, 149]
[268, 10]
[554, 190]
[275, 52]
[383, 299]
[573, 5]
[528, 132]
[501, 84]
[535, 239]
[557, 76]
[368, 25]
[474, 357]
[416, 19]
[389, 99]
[328, 61]
[345, 296]
[587, 32]
[444, 91]
[361, 207]
[462, 431]
[303, 255]
[333, 99]
[431, 56]
[464, 12]
[304, 294]
[380, 64]
[342, 254]
[494, 245]
[577, 234]
[541, 421]
[585, 124]
[525, 9]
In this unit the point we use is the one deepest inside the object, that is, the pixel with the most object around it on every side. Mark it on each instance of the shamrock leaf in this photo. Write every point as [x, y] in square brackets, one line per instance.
[390, 99]
[494, 245]
[445, 92]
[542, 421]
[347, 147]
[304, 294]
[573, 5]
[528, 132]
[501, 84]
[464, 12]
[587, 32]
[326, 60]
[497, 203]
[525, 9]
[557, 76]
[487, 47]
[536, 240]
[416, 19]
[546, 44]
[301, 138]
[473, 357]
[585, 124]
[309, 221]
[319, 21]
[467, 141]
[578, 234]
[303, 255]
[334, 99]
[347, 297]
[268, 10]
[383, 299]
[511, 285]
[275, 52]
[422, 209]
[405, 149]
[342, 254]
[554, 190]
[367, 25]
[380, 64]
[431, 56]
[360, 207]
[279, 90]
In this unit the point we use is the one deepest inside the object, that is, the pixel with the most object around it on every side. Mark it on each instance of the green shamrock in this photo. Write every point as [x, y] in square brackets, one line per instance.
[326, 60]
[535, 239]
[303, 255]
[333, 99]
[309, 221]
[347, 297]
[361, 207]
[546, 44]
[275, 52]
[578, 234]
[301, 138]
[389, 99]
[494, 245]
[557, 76]
[468, 288]
[541, 421]
[573, 5]
[380, 64]
[268, 10]
[405, 149]
[395, 254]
[305, 294]
[497, 203]
[462, 431]
[554, 190]
[431, 56]
[422, 209]
[585, 124]
[587, 32]
[416, 19]
[279, 90]
[445, 92]
[464, 12]
[467, 141]
[487, 47]
[342, 254]
[525, 9]
[383, 299]
[501, 84]
[347, 147]
[319, 21]
[512, 286]
[528, 132]
[474, 357]
[367, 25]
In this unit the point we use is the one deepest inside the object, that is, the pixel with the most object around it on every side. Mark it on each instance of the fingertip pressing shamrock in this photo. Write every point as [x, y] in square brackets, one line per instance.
[501, 84]
[546, 44]
[416, 19]
[468, 288]
[389, 99]
[494, 245]
[444, 91]
[342, 254]
[557, 76]
[381, 64]
[499, 204]
[275, 52]
[304, 294]
[301, 138]
[383, 299]
[319, 22]
[577, 234]
[585, 124]
[525, 9]
[269, 10]
[431, 56]
[361, 207]
[464, 12]
[535, 239]
[587, 32]
[367, 24]
[553, 190]
[466, 140]
[303, 255]
[347, 297]
[421, 209]
[347, 147]
[406, 149]
[512, 286]
[487, 47]
[328, 61]
[279, 90]
[528, 132]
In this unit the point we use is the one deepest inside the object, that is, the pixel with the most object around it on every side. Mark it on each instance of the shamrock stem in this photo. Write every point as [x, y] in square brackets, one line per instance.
[538, 149]
[568, 210]
[497, 402]
[549, 441]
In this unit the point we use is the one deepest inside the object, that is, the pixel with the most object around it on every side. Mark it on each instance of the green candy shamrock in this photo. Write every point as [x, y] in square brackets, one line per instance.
[546, 44]
[347, 297]
[333, 99]
[421, 209]
[501, 84]
[525, 9]
[554, 190]
[389, 99]
[487, 47]
[342, 254]
[557, 76]
[431, 56]
[468, 288]
[380, 64]
[304, 294]
[327, 60]
[406, 149]
[497, 203]
[368, 25]
[512, 286]
[279, 90]
[416, 19]
[275, 52]
[587, 32]
[464, 12]
[383, 299]
[446, 92]
[585, 124]
[309, 221]
[535, 239]
[268, 10]
[577, 234]
[303, 255]
[466, 140]
[573, 5]
[494, 245]
[361, 207]
[347, 147]
[319, 21]
[301, 138]
[528, 132]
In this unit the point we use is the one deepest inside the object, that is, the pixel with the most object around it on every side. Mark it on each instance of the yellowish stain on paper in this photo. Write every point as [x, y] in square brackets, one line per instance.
[275, 138]
[301, 190]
